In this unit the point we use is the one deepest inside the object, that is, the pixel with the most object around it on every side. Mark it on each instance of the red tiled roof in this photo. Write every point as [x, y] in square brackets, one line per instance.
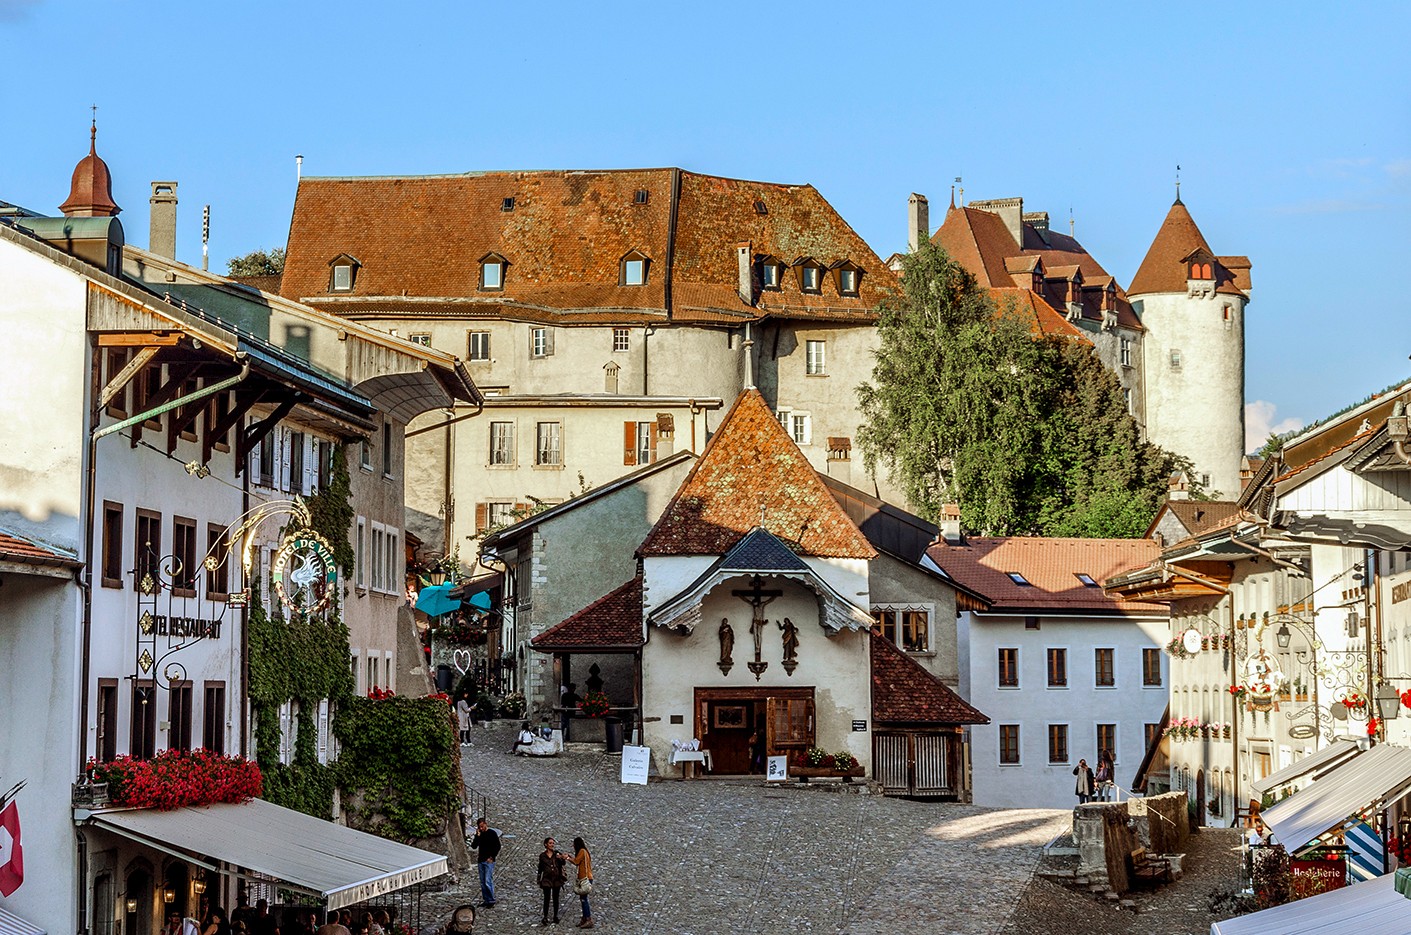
[1162, 269]
[904, 692]
[17, 549]
[1051, 567]
[751, 463]
[613, 620]
[1043, 318]
[1199, 516]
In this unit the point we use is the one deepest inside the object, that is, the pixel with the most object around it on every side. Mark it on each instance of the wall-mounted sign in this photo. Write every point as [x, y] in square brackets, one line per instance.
[304, 572]
[1303, 731]
[1400, 592]
[1191, 640]
[238, 599]
[182, 627]
[859, 725]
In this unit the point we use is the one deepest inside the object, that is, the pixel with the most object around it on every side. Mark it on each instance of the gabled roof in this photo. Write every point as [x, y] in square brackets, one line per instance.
[752, 468]
[980, 242]
[1051, 567]
[19, 550]
[1162, 269]
[1196, 516]
[904, 692]
[613, 621]
[760, 551]
[1042, 317]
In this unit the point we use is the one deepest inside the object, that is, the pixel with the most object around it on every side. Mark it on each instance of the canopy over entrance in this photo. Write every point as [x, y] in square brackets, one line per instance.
[1369, 781]
[1372, 908]
[339, 865]
[1328, 758]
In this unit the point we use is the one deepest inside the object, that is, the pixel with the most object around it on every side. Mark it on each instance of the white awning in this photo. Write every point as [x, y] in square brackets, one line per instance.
[1371, 908]
[1330, 757]
[1381, 775]
[336, 863]
[11, 924]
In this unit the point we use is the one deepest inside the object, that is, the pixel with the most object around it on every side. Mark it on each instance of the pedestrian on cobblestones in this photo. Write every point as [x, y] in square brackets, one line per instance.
[487, 849]
[463, 719]
[551, 877]
[1103, 776]
[583, 883]
[1084, 788]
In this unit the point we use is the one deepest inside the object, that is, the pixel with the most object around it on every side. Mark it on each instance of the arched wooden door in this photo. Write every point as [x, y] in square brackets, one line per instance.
[1200, 798]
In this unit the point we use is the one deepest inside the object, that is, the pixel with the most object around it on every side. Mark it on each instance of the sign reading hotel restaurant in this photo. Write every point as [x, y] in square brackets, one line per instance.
[186, 626]
[304, 572]
[635, 763]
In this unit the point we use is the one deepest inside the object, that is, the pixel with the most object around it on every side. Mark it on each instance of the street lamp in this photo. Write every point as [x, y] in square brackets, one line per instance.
[1388, 702]
[1283, 636]
[437, 575]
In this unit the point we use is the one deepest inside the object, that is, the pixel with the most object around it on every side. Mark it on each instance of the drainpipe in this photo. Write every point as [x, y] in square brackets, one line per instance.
[245, 708]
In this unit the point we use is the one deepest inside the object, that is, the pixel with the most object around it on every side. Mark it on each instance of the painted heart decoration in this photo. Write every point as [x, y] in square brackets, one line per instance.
[461, 660]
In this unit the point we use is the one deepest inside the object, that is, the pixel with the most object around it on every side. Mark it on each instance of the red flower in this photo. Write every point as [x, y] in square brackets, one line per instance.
[1372, 725]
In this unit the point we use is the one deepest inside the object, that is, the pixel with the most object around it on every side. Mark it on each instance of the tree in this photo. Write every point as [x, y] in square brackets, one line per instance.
[1028, 434]
[257, 263]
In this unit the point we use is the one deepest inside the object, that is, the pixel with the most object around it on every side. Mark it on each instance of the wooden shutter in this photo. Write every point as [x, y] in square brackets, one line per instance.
[482, 516]
[652, 433]
[770, 715]
[629, 443]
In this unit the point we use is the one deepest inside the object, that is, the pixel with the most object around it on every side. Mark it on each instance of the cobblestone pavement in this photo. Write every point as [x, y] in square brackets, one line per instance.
[714, 856]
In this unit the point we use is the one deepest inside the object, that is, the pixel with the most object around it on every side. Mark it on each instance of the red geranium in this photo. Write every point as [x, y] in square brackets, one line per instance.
[175, 778]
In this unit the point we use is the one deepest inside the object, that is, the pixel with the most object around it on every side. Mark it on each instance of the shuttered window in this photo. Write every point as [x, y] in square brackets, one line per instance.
[639, 443]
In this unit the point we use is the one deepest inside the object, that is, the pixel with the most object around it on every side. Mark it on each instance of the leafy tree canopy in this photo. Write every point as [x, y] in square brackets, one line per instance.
[1029, 434]
[257, 263]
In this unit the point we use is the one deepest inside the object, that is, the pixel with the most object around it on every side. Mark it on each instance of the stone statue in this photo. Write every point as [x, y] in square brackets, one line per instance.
[791, 645]
[727, 646]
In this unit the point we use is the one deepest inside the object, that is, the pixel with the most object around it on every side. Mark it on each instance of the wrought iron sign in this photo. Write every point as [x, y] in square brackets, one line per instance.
[304, 573]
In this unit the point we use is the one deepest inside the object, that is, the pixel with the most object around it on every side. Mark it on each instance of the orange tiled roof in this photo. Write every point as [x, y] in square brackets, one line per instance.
[614, 620]
[1201, 516]
[751, 463]
[1162, 269]
[1043, 318]
[980, 242]
[565, 235]
[904, 692]
[18, 549]
[1051, 567]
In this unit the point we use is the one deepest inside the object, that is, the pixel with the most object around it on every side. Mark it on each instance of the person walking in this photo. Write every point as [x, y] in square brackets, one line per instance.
[487, 848]
[551, 877]
[1084, 788]
[463, 719]
[1103, 776]
[583, 881]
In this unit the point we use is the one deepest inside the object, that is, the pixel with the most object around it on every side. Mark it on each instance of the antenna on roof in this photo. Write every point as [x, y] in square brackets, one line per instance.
[298, 167]
[1178, 184]
[206, 238]
[1070, 220]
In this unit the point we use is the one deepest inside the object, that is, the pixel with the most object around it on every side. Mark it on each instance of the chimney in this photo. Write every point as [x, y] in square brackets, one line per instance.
[744, 253]
[919, 216]
[1011, 211]
[950, 531]
[163, 229]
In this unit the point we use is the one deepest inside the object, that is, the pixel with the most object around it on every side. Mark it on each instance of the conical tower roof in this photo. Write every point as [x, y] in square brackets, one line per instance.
[91, 193]
[1162, 269]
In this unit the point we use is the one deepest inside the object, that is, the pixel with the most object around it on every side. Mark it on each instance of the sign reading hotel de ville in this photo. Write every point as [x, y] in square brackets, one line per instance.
[304, 572]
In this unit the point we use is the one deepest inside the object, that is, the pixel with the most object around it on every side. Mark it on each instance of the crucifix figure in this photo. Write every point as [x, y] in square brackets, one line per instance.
[758, 597]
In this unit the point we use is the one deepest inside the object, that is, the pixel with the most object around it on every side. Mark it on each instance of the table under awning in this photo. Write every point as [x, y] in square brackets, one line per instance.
[11, 924]
[1330, 757]
[338, 864]
[1372, 908]
[1370, 780]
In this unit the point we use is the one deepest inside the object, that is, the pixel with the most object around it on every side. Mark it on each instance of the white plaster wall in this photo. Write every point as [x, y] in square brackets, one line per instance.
[1035, 783]
[836, 667]
[1197, 409]
[1107, 344]
[665, 576]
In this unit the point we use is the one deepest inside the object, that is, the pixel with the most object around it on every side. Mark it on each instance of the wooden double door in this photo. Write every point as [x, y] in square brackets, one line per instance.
[742, 726]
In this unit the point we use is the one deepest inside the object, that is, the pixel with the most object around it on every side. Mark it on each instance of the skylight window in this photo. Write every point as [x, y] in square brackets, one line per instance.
[1087, 580]
[1017, 578]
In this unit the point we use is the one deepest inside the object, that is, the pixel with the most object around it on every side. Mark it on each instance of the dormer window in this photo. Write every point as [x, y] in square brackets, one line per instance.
[492, 272]
[771, 272]
[634, 269]
[1201, 271]
[507, 204]
[641, 196]
[848, 276]
[343, 273]
[810, 275]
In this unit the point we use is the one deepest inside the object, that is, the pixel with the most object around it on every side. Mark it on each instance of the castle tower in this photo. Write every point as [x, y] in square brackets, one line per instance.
[1192, 303]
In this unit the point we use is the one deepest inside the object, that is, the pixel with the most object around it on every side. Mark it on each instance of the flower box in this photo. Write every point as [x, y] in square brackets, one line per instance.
[805, 773]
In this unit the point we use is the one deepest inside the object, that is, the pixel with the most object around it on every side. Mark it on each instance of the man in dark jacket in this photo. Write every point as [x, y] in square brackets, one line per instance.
[487, 845]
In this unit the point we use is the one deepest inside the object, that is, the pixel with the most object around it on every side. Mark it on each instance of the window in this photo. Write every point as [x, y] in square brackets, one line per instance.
[1009, 744]
[1105, 675]
[621, 339]
[1058, 743]
[112, 544]
[610, 374]
[507, 204]
[908, 627]
[179, 716]
[148, 381]
[1151, 668]
[379, 542]
[811, 279]
[217, 552]
[344, 273]
[1175, 360]
[372, 681]
[760, 208]
[116, 359]
[634, 269]
[479, 346]
[769, 272]
[798, 424]
[213, 718]
[492, 273]
[1107, 740]
[847, 282]
[142, 740]
[1057, 667]
[107, 742]
[640, 196]
[266, 463]
[1008, 667]
[1031, 623]
[541, 342]
[814, 362]
[639, 443]
[386, 447]
[420, 337]
[494, 513]
[1087, 580]
[365, 454]
[1017, 578]
[296, 463]
[1149, 734]
[1126, 352]
[325, 464]
[547, 448]
[501, 443]
[183, 541]
[392, 558]
[148, 545]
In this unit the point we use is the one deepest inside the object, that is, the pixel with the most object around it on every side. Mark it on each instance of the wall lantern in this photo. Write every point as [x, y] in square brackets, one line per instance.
[168, 894]
[199, 884]
[437, 576]
[1388, 702]
[132, 904]
[1283, 636]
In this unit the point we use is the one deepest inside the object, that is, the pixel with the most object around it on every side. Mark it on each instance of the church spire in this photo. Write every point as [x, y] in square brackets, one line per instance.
[91, 191]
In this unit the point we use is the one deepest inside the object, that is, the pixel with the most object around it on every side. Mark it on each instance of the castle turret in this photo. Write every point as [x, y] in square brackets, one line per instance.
[91, 192]
[1192, 303]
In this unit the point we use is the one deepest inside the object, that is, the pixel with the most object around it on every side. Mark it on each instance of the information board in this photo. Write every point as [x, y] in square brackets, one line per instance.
[636, 761]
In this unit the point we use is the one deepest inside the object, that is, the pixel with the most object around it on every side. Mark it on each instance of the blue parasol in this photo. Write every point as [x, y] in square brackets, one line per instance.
[435, 600]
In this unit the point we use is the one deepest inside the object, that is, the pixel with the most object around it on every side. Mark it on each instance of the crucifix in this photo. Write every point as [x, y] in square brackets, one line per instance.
[758, 597]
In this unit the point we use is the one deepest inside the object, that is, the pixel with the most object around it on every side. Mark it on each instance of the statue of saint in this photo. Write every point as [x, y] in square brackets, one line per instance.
[791, 645]
[727, 645]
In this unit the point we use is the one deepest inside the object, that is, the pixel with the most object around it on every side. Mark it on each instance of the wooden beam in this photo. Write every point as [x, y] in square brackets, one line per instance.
[253, 433]
[142, 339]
[125, 375]
[176, 376]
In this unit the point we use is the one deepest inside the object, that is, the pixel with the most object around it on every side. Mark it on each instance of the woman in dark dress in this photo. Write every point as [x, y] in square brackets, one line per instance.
[551, 877]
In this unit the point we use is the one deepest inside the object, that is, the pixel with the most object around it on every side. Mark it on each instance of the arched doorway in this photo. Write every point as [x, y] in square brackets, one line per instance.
[178, 885]
[1200, 798]
[138, 907]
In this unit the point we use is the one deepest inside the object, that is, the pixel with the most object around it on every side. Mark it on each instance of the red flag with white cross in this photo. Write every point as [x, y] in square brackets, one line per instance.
[11, 854]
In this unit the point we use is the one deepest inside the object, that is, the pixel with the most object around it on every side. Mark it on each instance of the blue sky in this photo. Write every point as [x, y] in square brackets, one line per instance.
[1290, 121]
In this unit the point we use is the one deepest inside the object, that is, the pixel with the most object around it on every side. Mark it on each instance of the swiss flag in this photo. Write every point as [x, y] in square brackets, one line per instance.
[11, 855]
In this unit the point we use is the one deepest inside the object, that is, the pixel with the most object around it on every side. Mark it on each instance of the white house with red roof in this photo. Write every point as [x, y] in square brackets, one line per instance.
[1063, 670]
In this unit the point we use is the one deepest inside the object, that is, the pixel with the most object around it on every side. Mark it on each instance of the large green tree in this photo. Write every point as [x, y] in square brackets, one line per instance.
[257, 263]
[1028, 434]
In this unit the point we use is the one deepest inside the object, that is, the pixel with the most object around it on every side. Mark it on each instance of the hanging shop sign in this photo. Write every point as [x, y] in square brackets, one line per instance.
[1303, 731]
[304, 572]
[1191, 641]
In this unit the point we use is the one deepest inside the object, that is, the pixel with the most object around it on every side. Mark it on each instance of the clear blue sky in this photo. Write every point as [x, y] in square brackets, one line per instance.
[1291, 123]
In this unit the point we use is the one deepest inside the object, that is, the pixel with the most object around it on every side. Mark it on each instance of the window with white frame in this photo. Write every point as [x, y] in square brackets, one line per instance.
[621, 339]
[906, 625]
[548, 445]
[360, 554]
[1126, 352]
[420, 337]
[541, 342]
[501, 443]
[379, 549]
[478, 345]
[499, 513]
[814, 361]
[392, 556]
[799, 425]
[847, 281]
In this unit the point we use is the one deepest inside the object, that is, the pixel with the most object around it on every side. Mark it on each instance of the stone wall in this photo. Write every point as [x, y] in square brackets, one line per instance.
[1106, 832]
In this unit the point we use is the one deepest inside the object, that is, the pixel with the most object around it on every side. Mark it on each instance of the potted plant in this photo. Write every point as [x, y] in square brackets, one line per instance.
[815, 762]
[594, 704]
[1300, 690]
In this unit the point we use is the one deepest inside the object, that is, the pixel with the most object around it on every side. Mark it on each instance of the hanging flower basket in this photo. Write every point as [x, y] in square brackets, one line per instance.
[594, 704]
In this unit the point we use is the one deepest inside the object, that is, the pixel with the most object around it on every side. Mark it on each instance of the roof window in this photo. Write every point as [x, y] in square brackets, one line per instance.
[507, 204]
[492, 272]
[771, 272]
[760, 207]
[1017, 578]
[641, 196]
[343, 273]
[633, 271]
[848, 275]
[810, 275]
[1087, 580]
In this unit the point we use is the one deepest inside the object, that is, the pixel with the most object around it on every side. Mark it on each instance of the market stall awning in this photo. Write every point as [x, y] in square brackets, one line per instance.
[1379, 776]
[1330, 757]
[11, 924]
[338, 864]
[1372, 908]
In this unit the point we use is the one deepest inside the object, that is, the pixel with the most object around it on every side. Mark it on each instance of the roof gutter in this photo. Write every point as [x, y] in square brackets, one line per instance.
[177, 403]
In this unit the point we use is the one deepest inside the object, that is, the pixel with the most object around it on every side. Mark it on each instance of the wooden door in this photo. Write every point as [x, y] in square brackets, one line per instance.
[731, 725]
[790, 724]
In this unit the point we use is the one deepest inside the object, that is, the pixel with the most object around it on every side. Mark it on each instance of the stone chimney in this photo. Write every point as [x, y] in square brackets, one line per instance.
[918, 213]
[1010, 210]
[950, 531]
[163, 229]
[744, 254]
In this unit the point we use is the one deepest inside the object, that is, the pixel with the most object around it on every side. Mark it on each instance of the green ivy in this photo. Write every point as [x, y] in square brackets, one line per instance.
[402, 754]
